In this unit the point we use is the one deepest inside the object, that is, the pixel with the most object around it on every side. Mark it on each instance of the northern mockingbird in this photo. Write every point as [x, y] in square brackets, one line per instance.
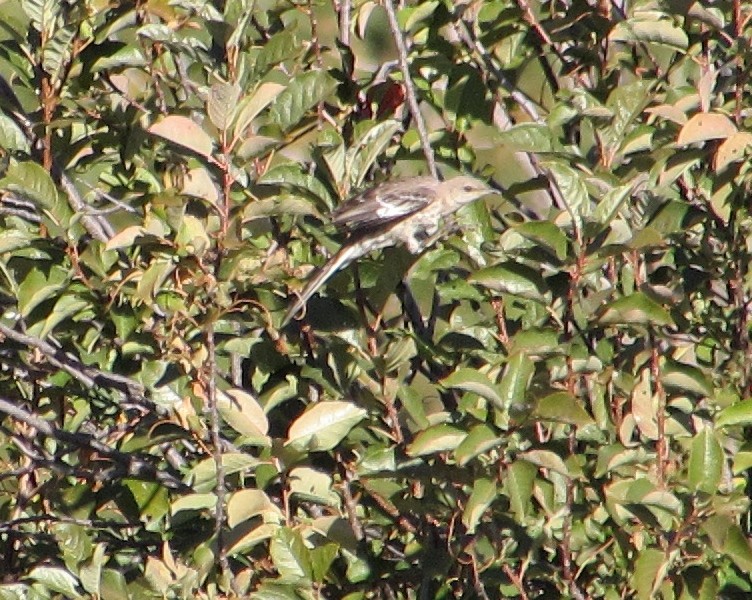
[408, 211]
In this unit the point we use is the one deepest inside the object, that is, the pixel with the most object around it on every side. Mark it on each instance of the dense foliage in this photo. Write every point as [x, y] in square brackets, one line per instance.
[551, 403]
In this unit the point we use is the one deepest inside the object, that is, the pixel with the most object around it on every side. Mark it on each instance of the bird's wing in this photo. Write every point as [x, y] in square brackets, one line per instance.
[384, 204]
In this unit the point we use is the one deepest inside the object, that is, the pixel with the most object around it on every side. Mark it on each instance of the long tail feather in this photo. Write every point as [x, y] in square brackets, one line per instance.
[339, 261]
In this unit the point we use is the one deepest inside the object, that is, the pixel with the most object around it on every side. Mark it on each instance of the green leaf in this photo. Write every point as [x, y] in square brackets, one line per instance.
[438, 438]
[516, 379]
[650, 27]
[43, 14]
[512, 278]
[737, 546]
[204, 474]
[38, 287]
[736, 414]
[609, 206]
[686, 379]
[223, 104]
[635, 309]
[726, 537]
[546, 234]
[183, 132]
[251, 106]
[241, 411]
[562, 407]
[279, 47]
[30, 180]
[646, 572]
[292, 176]
[369, 145]
[573, 191]
[57, 50]
[546, 460]
[480, 439]
[12, 139]
[527, 137]
[304, 92]
[705, 462]
[67, 306]
[243, 505]
[324, 425]
[56, 579]
[204, 501]
[483, 494]
[247, 535]
[518, 486]
[312, 485]
[192, 237]
[471, 380]
[90, 572]
[290, 556]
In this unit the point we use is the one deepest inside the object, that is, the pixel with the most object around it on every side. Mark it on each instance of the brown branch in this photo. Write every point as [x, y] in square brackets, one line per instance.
[127, 464]
[89, 376]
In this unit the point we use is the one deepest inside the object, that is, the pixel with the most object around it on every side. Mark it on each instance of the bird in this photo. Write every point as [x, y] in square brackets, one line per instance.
[407, 212]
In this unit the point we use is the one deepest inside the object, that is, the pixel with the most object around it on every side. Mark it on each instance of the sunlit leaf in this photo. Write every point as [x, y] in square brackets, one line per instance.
[733, 149]
[183, 132]
[223, 104]
[303, 93]
[470, 380]
[518, 486]
[563, 408]
[706, 126]
[483, 494]
[438, 438]
[736, 414]
[705, 462]
[635, 309]
[512, 278]
[324, 425]
[652, 27]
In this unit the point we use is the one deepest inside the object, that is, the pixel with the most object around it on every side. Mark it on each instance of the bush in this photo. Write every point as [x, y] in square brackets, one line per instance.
[552, 402]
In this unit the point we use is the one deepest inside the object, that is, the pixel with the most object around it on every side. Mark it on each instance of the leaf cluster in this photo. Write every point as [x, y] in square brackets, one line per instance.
[553, 402]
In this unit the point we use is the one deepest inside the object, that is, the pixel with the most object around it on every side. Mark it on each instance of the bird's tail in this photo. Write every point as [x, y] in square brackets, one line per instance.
[344, 257]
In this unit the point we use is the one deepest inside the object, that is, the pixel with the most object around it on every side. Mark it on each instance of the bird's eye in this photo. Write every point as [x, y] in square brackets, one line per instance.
[468, 188]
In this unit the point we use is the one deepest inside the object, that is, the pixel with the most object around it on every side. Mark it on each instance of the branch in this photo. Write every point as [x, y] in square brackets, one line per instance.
[90, 377]
[98, 228]
[128, 465]
[412, 99]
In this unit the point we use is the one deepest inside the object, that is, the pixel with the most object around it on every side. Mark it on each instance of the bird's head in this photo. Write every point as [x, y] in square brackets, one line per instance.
[465, 189]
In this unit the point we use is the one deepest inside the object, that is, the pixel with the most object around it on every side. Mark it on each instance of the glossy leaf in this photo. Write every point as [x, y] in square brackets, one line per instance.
[635, 309]
[705, 462]
[483, 494]
[563, 408]
[183, 132]
[438, 438]
[303, 93]
[324, 425]
[706, 126]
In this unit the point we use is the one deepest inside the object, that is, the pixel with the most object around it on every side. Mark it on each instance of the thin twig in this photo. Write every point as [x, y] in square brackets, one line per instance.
[344, 22]
[484, 56]
[412, 99]
[131, 465]
[220, 487]
[90, 377]
[90, 523]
